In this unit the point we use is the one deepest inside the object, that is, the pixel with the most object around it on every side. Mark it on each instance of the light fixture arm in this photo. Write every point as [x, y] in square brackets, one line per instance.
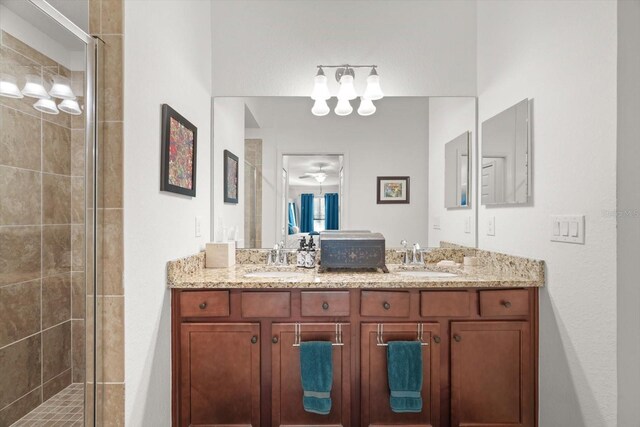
[346, 69]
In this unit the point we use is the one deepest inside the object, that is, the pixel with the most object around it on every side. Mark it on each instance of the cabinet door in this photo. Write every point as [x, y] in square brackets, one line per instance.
[375, 393]
[287, 390]
[491, 374]
[220, 379]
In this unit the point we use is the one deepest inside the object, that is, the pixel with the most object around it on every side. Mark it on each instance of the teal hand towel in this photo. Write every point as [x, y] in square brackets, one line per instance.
[316, 373]
[404, 371]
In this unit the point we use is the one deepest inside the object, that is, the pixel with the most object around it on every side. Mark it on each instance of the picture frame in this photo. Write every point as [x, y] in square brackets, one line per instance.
[179, 142]
[231, 168]
[393, 190]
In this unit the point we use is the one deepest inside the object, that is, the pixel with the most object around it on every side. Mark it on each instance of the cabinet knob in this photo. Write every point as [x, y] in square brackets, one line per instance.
[457, 338]
[203, 305]
[254, 339]
[386, 305]
[506, 304]
[274, 340]
[436, 339]
[325, 305]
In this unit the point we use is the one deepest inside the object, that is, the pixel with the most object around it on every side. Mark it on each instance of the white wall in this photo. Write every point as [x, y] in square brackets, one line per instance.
[166, 61]
[228, 134]
[628, 181]
[563, 55]
[392, 142]
[449, 118]
[272, 47]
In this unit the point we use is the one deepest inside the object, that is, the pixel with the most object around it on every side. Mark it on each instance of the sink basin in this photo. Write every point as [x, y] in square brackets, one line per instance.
[276, 275]
[434, 274]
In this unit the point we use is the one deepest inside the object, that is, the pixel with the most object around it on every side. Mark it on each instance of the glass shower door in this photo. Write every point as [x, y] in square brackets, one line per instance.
[48, 268]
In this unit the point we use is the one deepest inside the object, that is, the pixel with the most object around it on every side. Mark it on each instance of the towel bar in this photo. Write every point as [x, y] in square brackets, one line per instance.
[297, 340]
[380, 339]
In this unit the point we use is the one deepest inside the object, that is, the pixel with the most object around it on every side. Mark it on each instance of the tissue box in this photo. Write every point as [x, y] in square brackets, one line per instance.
[352, 250]
[219, 255]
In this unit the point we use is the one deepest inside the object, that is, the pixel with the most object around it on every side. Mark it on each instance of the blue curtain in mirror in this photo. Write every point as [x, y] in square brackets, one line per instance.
[293, 223]
[331, 212]
[306, 213]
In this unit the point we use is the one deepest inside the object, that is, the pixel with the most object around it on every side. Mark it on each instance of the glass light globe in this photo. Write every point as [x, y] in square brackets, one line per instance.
[373, 90]
[320, 88]
[9, 86]
[70, 106]
[366, 107]
[33, 87]
[46, 105]
[320, 108]
[61, 88]
[343, 108]
[347, 91]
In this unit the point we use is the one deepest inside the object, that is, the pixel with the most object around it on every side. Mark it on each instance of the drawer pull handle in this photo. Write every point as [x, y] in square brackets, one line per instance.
[274, 340]
[507, 304]
[203, 305]
[436, 339]
[457, 338]
[386, 305]
[254, 339]
[325, 305]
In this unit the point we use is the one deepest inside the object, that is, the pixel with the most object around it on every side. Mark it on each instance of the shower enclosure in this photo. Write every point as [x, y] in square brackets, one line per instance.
[50, 217]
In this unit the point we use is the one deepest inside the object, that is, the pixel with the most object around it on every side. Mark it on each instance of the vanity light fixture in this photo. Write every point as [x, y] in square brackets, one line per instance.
[46, 105]
[33, 87]
[61, 88]
[9, 86]
[70, 106]
[345, 76]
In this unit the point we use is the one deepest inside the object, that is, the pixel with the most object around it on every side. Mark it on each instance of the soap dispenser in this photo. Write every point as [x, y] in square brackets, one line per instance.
[311, 254]
[301, 254]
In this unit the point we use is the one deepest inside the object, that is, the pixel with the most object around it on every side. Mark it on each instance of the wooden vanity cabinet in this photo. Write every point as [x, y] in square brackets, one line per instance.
[286, 388]
[234, 363]
[374, 392]
[220, 374]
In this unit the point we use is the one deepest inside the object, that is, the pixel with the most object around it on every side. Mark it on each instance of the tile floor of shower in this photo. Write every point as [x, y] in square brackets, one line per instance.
[65, 409]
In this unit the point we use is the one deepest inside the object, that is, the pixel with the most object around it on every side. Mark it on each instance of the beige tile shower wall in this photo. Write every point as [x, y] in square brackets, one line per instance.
[41, 241]
[105, 21]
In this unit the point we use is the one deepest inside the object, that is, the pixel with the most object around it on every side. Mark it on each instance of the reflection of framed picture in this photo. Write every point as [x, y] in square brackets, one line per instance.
[393, 189]
[230, 177]
[179, 138]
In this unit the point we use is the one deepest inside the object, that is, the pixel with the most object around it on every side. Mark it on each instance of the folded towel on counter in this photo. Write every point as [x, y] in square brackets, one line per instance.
[404, 371]
[316, 373]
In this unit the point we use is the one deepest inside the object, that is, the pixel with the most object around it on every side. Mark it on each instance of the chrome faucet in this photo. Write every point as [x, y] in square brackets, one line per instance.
[278, 255]
[418, 254]
[413, 256]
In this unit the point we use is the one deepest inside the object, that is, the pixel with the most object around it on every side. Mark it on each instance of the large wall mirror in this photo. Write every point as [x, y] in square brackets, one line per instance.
[506, 167]
[302, 174]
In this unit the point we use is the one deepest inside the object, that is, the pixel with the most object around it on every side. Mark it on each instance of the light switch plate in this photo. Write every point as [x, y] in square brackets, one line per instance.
[198, 230]
[467, 225]
[491, 226]
[567, 229]
[436, 223]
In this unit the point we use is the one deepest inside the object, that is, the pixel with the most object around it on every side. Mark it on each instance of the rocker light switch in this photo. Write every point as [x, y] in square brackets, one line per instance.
[567, 228]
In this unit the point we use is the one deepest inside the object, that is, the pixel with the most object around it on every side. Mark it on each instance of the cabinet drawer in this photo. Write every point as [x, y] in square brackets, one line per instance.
[204, 304]
[324, 303]
[444, 303]
[384, 304]
[504, 303]
[266, 304]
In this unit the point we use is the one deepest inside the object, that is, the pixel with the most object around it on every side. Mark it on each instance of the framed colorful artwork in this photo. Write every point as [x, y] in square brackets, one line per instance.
[179, 142]
[231, 166]
[393, 189]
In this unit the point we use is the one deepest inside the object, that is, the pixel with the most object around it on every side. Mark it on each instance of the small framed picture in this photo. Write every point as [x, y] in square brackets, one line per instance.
[230, 177]
[179, 143]
[393, 189]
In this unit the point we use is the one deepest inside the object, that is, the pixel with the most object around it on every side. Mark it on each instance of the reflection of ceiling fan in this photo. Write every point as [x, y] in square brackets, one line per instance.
[319, 176]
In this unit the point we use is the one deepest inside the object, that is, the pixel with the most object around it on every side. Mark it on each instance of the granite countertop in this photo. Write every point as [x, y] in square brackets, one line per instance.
[489, 275]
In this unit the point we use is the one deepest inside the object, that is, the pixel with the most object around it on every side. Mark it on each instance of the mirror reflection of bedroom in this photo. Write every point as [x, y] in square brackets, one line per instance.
[312, 194]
